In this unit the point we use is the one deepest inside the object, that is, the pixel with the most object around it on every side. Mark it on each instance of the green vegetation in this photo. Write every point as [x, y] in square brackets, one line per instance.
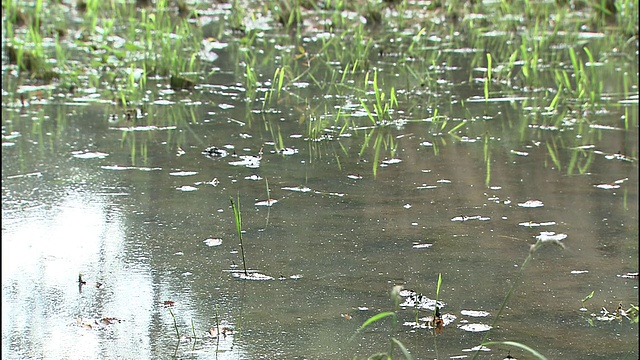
[126, 48]
[237, 216]
[376, 69]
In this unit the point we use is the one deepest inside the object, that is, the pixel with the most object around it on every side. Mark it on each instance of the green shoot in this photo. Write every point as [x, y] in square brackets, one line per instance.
[237, 215]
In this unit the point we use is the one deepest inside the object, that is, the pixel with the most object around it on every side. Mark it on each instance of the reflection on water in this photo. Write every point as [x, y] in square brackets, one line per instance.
[334, 243]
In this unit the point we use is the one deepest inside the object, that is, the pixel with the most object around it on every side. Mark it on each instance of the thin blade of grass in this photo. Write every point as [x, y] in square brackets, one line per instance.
[518, 345]
[375, 318]
[404, 350]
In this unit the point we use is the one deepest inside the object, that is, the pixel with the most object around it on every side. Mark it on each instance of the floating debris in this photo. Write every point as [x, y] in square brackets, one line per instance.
[354, 176]
[616, 156]
[287, 151]
[120, 168]
[213, 182]
[477, 348]
[252, 162]
[97, 324]
[144, 128]
[475, 327]
[474, 217]
[253, 177]
[629, 275]
[474, 313]
[183, 173]
[213, 242]
[550, 236]
[215, 152]
[303, 189]
[422, 246]
[89, 155]
[577, 272]
[531, 204]
[187, 188]
[428, 322]
[607, 186]
[251, 276]
[533, 224]
[425, 186]
[391, 161]
[33, 174]
[407, 206]
[269, 202]
[520, 153]
[216, 331]
[419, 301]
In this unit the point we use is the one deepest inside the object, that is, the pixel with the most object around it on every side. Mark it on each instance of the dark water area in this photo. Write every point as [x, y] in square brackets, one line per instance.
[132, 204]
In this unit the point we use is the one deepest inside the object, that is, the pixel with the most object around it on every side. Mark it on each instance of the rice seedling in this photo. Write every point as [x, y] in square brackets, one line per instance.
[288, 13]
[553, 153]
[237, 215]
[487, 160]
[381, 107]
[251, 79]
[487, 79]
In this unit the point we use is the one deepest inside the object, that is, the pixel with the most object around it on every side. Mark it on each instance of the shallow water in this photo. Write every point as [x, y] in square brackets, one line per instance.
[130, 204]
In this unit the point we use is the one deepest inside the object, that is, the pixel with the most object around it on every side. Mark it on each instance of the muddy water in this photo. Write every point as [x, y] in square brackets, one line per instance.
[130, 209]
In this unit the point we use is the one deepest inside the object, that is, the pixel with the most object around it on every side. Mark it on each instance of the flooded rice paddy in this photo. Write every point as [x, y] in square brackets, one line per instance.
[499, 155]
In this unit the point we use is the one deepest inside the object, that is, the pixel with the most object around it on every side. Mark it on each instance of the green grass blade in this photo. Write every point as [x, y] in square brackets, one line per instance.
[404, 350]
[518, 345]
[375, 318]
[438, 286]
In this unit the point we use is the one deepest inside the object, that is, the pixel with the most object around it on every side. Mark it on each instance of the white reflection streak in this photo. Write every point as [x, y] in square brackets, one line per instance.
[43, 252]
